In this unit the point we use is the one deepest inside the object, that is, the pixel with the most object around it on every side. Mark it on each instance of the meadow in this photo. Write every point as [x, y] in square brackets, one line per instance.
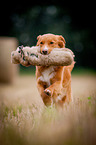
[24, 120]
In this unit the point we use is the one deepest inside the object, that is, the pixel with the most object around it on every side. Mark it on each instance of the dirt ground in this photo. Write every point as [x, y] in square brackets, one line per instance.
[25, 120]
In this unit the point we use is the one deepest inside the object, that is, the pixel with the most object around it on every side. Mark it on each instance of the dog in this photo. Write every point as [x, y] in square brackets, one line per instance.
[53, 82]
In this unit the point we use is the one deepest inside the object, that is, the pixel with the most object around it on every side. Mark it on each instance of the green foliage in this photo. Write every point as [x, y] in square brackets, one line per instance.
[27, 70]
[89, 98]
[49, 114]
[38, 20]
[83, 71]
[13, 110]
[6, 111]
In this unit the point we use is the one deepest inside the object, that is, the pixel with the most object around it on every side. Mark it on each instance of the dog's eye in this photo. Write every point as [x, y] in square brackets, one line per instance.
[51, 42]
[41, 42]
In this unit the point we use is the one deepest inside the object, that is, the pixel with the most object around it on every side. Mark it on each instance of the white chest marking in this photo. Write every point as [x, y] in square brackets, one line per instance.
[47, 75]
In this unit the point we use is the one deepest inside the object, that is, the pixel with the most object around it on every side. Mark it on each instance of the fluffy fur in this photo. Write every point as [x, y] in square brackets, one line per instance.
[32, 56]
[53, 82]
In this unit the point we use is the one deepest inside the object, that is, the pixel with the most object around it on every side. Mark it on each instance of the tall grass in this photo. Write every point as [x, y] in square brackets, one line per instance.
[24, 122]
[74, 125]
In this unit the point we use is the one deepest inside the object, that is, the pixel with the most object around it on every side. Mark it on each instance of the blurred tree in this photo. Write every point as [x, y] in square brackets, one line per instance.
[75, 22]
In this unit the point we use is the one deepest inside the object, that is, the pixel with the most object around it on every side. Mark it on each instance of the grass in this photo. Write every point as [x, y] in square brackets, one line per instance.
[76, 124]
[27, 70]
[24, 120]
[83, 71]
[76, 71]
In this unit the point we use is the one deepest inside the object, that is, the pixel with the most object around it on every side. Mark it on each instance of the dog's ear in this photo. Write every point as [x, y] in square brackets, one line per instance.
[38, 37]
[62, 38]
[61, 41]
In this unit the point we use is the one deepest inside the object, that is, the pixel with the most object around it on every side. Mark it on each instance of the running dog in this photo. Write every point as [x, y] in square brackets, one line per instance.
[53, 82]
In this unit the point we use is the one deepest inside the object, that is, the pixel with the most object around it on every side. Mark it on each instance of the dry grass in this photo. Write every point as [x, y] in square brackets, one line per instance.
[25, 121]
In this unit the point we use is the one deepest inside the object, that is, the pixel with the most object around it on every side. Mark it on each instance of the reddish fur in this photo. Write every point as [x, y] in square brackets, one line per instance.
[58, 84]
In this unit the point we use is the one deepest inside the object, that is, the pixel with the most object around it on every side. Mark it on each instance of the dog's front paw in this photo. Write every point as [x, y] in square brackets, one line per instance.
[47, 92]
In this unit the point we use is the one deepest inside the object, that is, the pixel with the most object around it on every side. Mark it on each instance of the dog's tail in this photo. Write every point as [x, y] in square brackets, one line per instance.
[66, 74]
[70, 67]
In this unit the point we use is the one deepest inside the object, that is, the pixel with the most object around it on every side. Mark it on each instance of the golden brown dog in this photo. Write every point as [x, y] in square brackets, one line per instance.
[53, 82]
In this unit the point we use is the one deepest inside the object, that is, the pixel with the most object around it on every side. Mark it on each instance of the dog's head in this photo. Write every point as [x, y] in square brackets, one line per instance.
[48, 42]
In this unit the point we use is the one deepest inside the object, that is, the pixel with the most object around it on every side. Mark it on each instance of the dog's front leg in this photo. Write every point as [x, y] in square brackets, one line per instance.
[45, 97]
[54, 89]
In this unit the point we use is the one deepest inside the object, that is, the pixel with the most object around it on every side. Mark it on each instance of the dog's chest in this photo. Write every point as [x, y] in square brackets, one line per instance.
[47, 74]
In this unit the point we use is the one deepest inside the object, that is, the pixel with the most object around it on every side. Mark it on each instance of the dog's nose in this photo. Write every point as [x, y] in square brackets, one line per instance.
[44, 52]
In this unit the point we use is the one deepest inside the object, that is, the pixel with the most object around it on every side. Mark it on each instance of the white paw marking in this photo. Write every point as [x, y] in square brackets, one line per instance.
[48, 92]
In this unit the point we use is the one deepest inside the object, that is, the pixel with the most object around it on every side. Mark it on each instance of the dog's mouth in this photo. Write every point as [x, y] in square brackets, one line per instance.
[44, 52]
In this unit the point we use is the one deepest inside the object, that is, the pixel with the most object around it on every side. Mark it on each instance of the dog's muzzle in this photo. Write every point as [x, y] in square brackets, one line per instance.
[45, 51]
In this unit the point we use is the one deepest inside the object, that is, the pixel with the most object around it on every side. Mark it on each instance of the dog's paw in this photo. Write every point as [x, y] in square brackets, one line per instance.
[47, 92]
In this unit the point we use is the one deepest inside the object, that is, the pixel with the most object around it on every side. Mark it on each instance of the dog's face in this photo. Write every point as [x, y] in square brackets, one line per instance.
[48, 42]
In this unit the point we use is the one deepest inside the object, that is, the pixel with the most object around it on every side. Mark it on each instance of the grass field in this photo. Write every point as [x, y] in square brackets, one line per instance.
[24, 120]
